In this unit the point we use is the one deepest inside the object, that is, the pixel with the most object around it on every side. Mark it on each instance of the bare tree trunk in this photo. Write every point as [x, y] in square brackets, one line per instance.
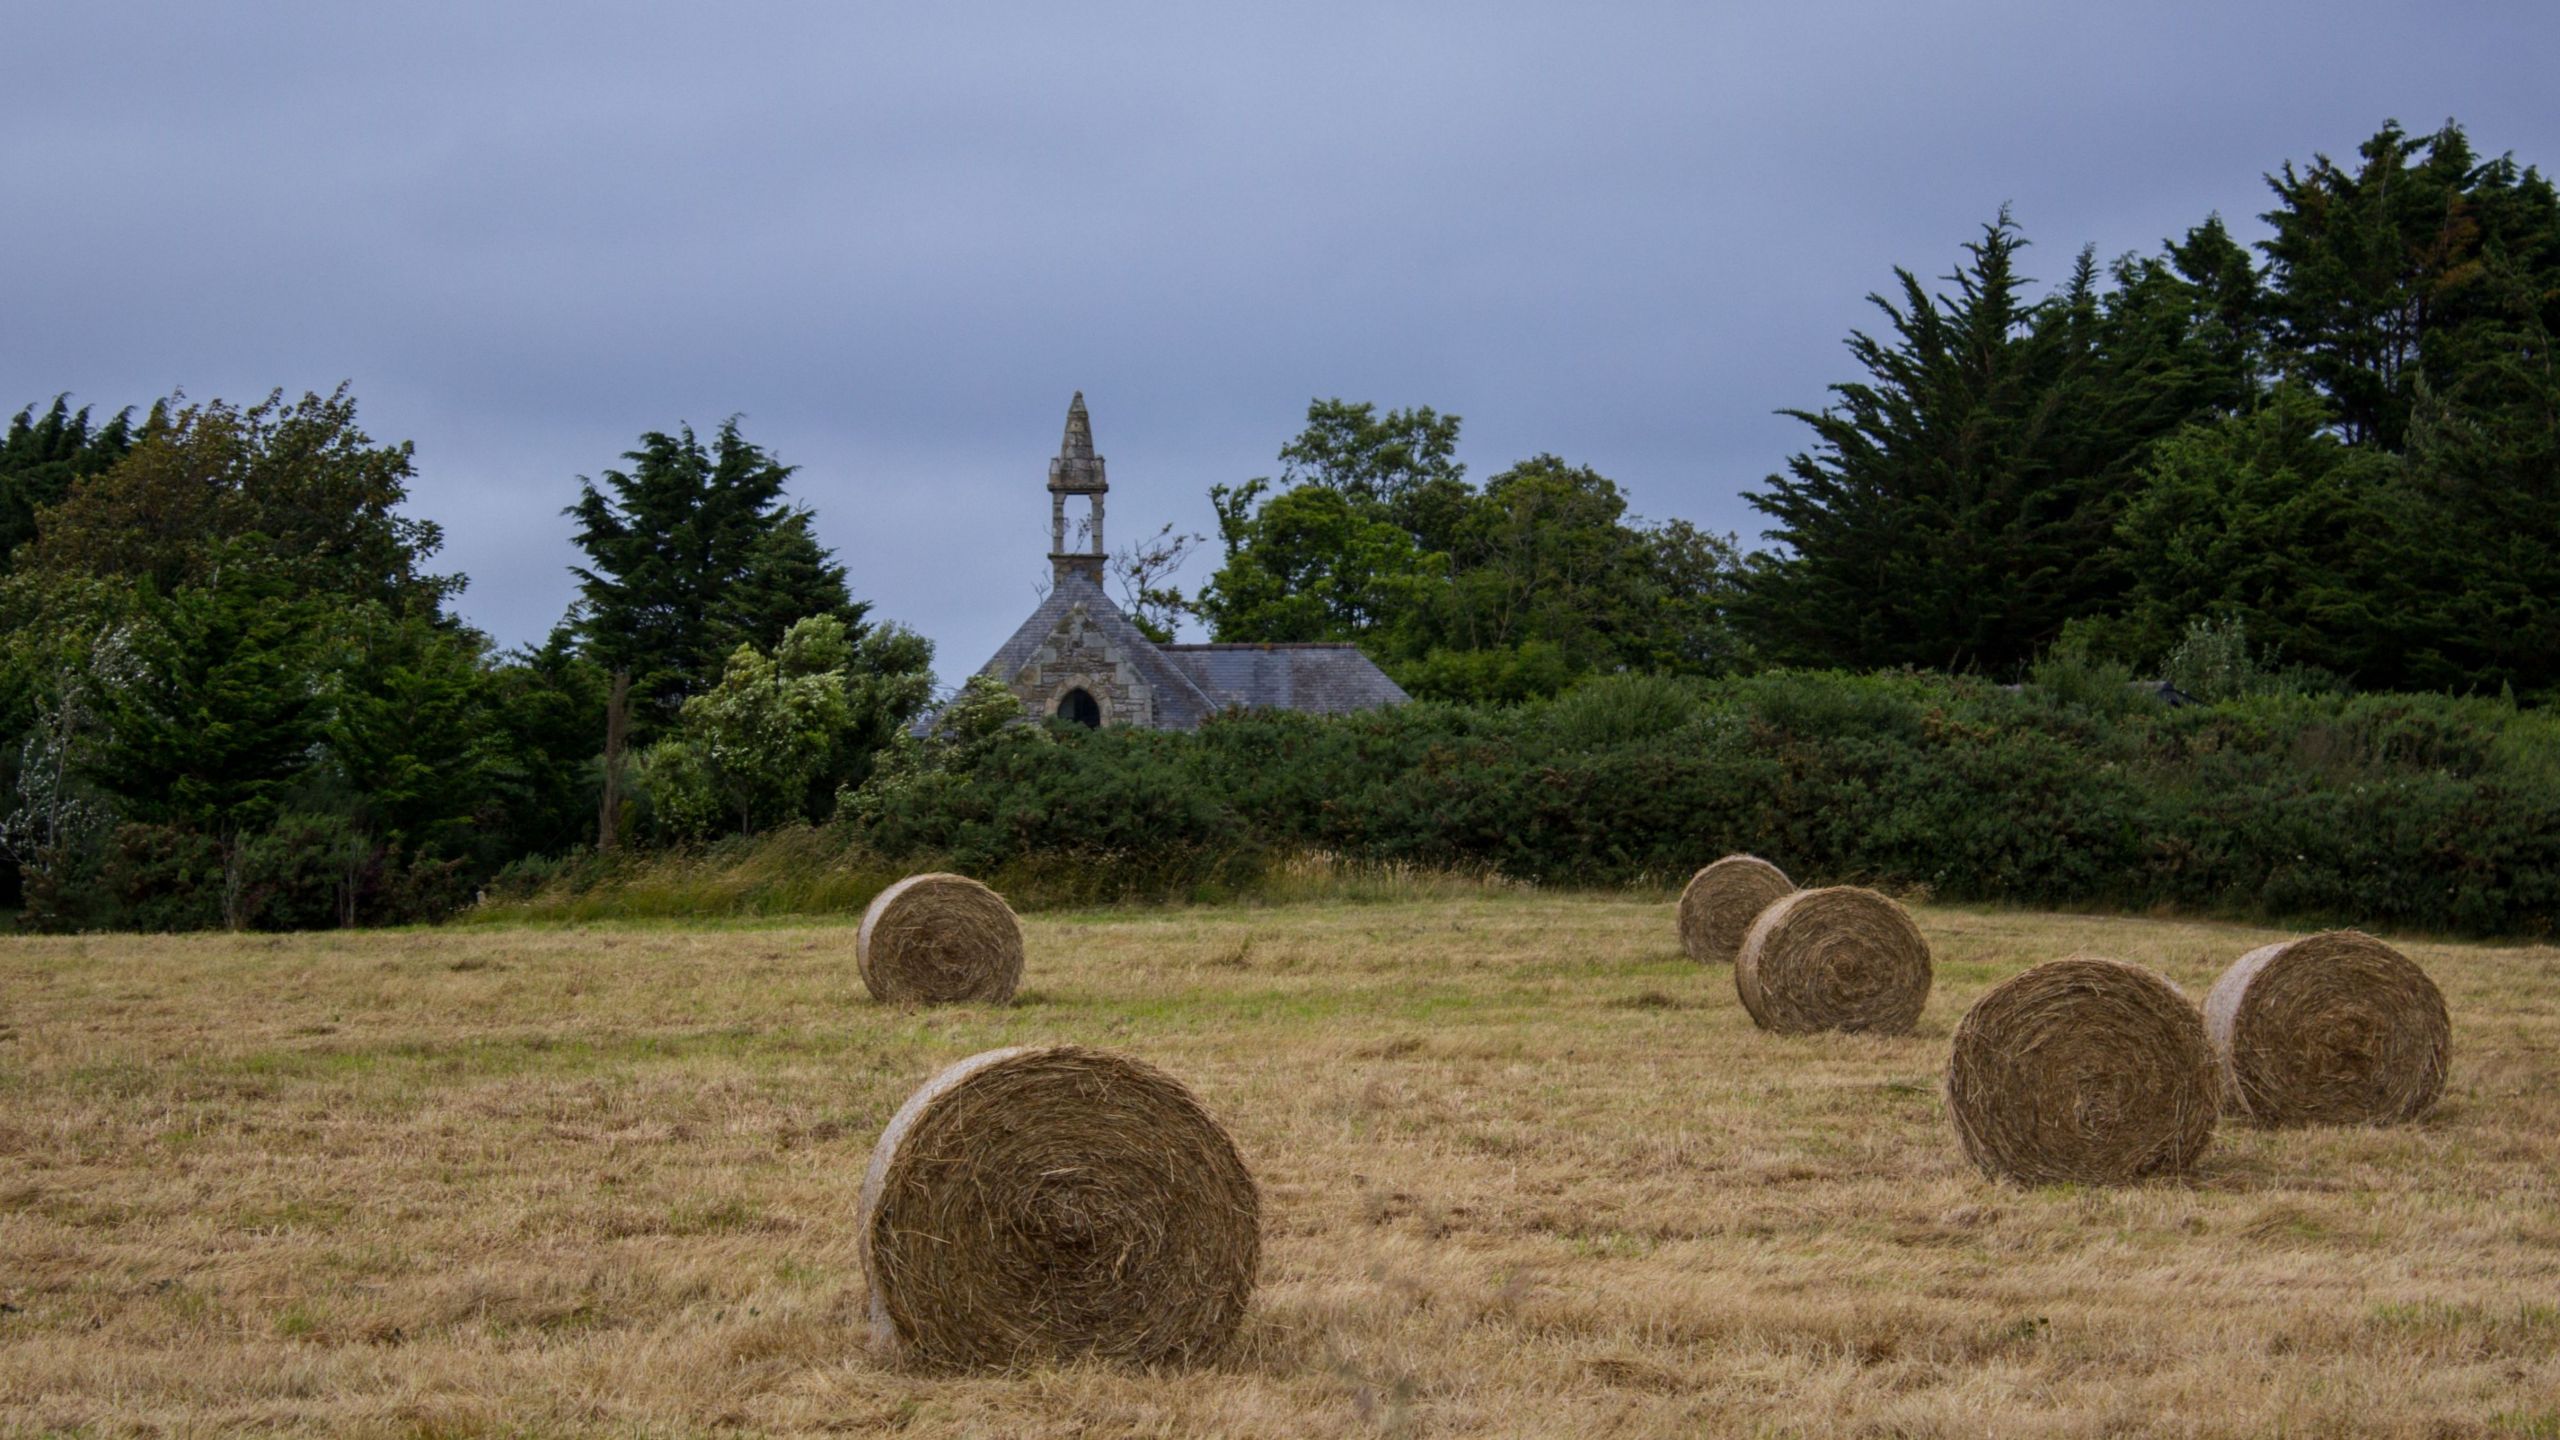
[617, 718]
[235, 880]
[350, 876]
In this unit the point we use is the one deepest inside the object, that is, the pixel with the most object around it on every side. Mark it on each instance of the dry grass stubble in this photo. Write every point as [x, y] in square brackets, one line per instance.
[1525, 1170]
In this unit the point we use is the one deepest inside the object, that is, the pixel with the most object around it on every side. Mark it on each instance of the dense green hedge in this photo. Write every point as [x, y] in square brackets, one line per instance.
[2384, 810]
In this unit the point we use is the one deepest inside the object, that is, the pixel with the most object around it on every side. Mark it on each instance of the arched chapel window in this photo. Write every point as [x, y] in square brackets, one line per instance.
[1080, 706]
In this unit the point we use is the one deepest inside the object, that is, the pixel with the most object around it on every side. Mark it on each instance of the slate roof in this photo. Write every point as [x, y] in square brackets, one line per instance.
[1317, 679]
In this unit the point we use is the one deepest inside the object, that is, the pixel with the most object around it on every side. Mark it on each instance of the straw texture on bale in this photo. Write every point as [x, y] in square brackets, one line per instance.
[1035, 1205]
[1721, 901]
[2331, 1029]
[2083, 1070]
[1840, 958]
[938, 940]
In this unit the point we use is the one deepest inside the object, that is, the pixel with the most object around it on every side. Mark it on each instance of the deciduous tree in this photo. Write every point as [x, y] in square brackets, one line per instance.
[296, 488]
[747, 752]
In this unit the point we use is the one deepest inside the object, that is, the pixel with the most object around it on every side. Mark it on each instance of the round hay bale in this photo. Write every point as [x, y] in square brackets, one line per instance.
[1721, 901]
[2330, 1029]
[939, 939]
[1840, 958]
[2082, 1070]
[1033, 1205]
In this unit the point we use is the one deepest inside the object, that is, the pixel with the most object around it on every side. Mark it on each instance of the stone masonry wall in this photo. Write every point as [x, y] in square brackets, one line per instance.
[1078, 654]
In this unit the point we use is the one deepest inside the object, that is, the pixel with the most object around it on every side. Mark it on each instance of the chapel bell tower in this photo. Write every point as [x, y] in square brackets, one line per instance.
[1076, 471]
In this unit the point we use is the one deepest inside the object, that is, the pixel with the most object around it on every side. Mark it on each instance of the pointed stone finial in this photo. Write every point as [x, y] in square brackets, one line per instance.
[1077, 468]
[1078, 444]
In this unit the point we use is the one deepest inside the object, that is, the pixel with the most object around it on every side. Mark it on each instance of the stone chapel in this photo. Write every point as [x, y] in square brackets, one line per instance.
[1081, 658]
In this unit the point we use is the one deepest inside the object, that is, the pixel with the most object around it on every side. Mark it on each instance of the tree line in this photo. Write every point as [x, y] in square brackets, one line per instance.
[2344, 448]
[234, 689]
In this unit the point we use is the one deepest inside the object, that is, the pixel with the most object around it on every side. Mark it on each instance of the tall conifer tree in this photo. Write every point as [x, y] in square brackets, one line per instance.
[1958, 508]
[693, 552]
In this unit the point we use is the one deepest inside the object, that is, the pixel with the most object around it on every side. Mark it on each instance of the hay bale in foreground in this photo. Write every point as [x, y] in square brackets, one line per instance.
[1839, 958]
[1034, 1205]
[1721, 901]
[2083, 1070]
[939, 939]
[2330, 1029]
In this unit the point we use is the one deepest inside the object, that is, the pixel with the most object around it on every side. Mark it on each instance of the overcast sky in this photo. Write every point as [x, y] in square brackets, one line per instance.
[897, 238]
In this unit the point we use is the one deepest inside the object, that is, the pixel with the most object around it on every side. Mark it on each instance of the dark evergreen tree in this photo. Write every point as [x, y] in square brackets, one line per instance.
[218, 720]
[2184, 336]
[1920, 530]
[2484, 452]
[2411, 265]
[549, 704]
[2413, 298]
[40, 458]
[1959, 507]
[787, 577]
[692, 553]
[2484, 447]
[411, 734]
[2271, 519]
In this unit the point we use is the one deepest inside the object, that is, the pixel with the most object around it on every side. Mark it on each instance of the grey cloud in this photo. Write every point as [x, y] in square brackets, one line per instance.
[897, 238]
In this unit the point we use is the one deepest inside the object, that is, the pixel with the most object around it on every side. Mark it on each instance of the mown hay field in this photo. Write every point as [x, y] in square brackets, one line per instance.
[1525, 1170]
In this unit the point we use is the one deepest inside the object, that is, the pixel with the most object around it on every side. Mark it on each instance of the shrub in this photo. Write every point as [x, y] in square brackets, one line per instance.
[2379, 810]
[1621, 710]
